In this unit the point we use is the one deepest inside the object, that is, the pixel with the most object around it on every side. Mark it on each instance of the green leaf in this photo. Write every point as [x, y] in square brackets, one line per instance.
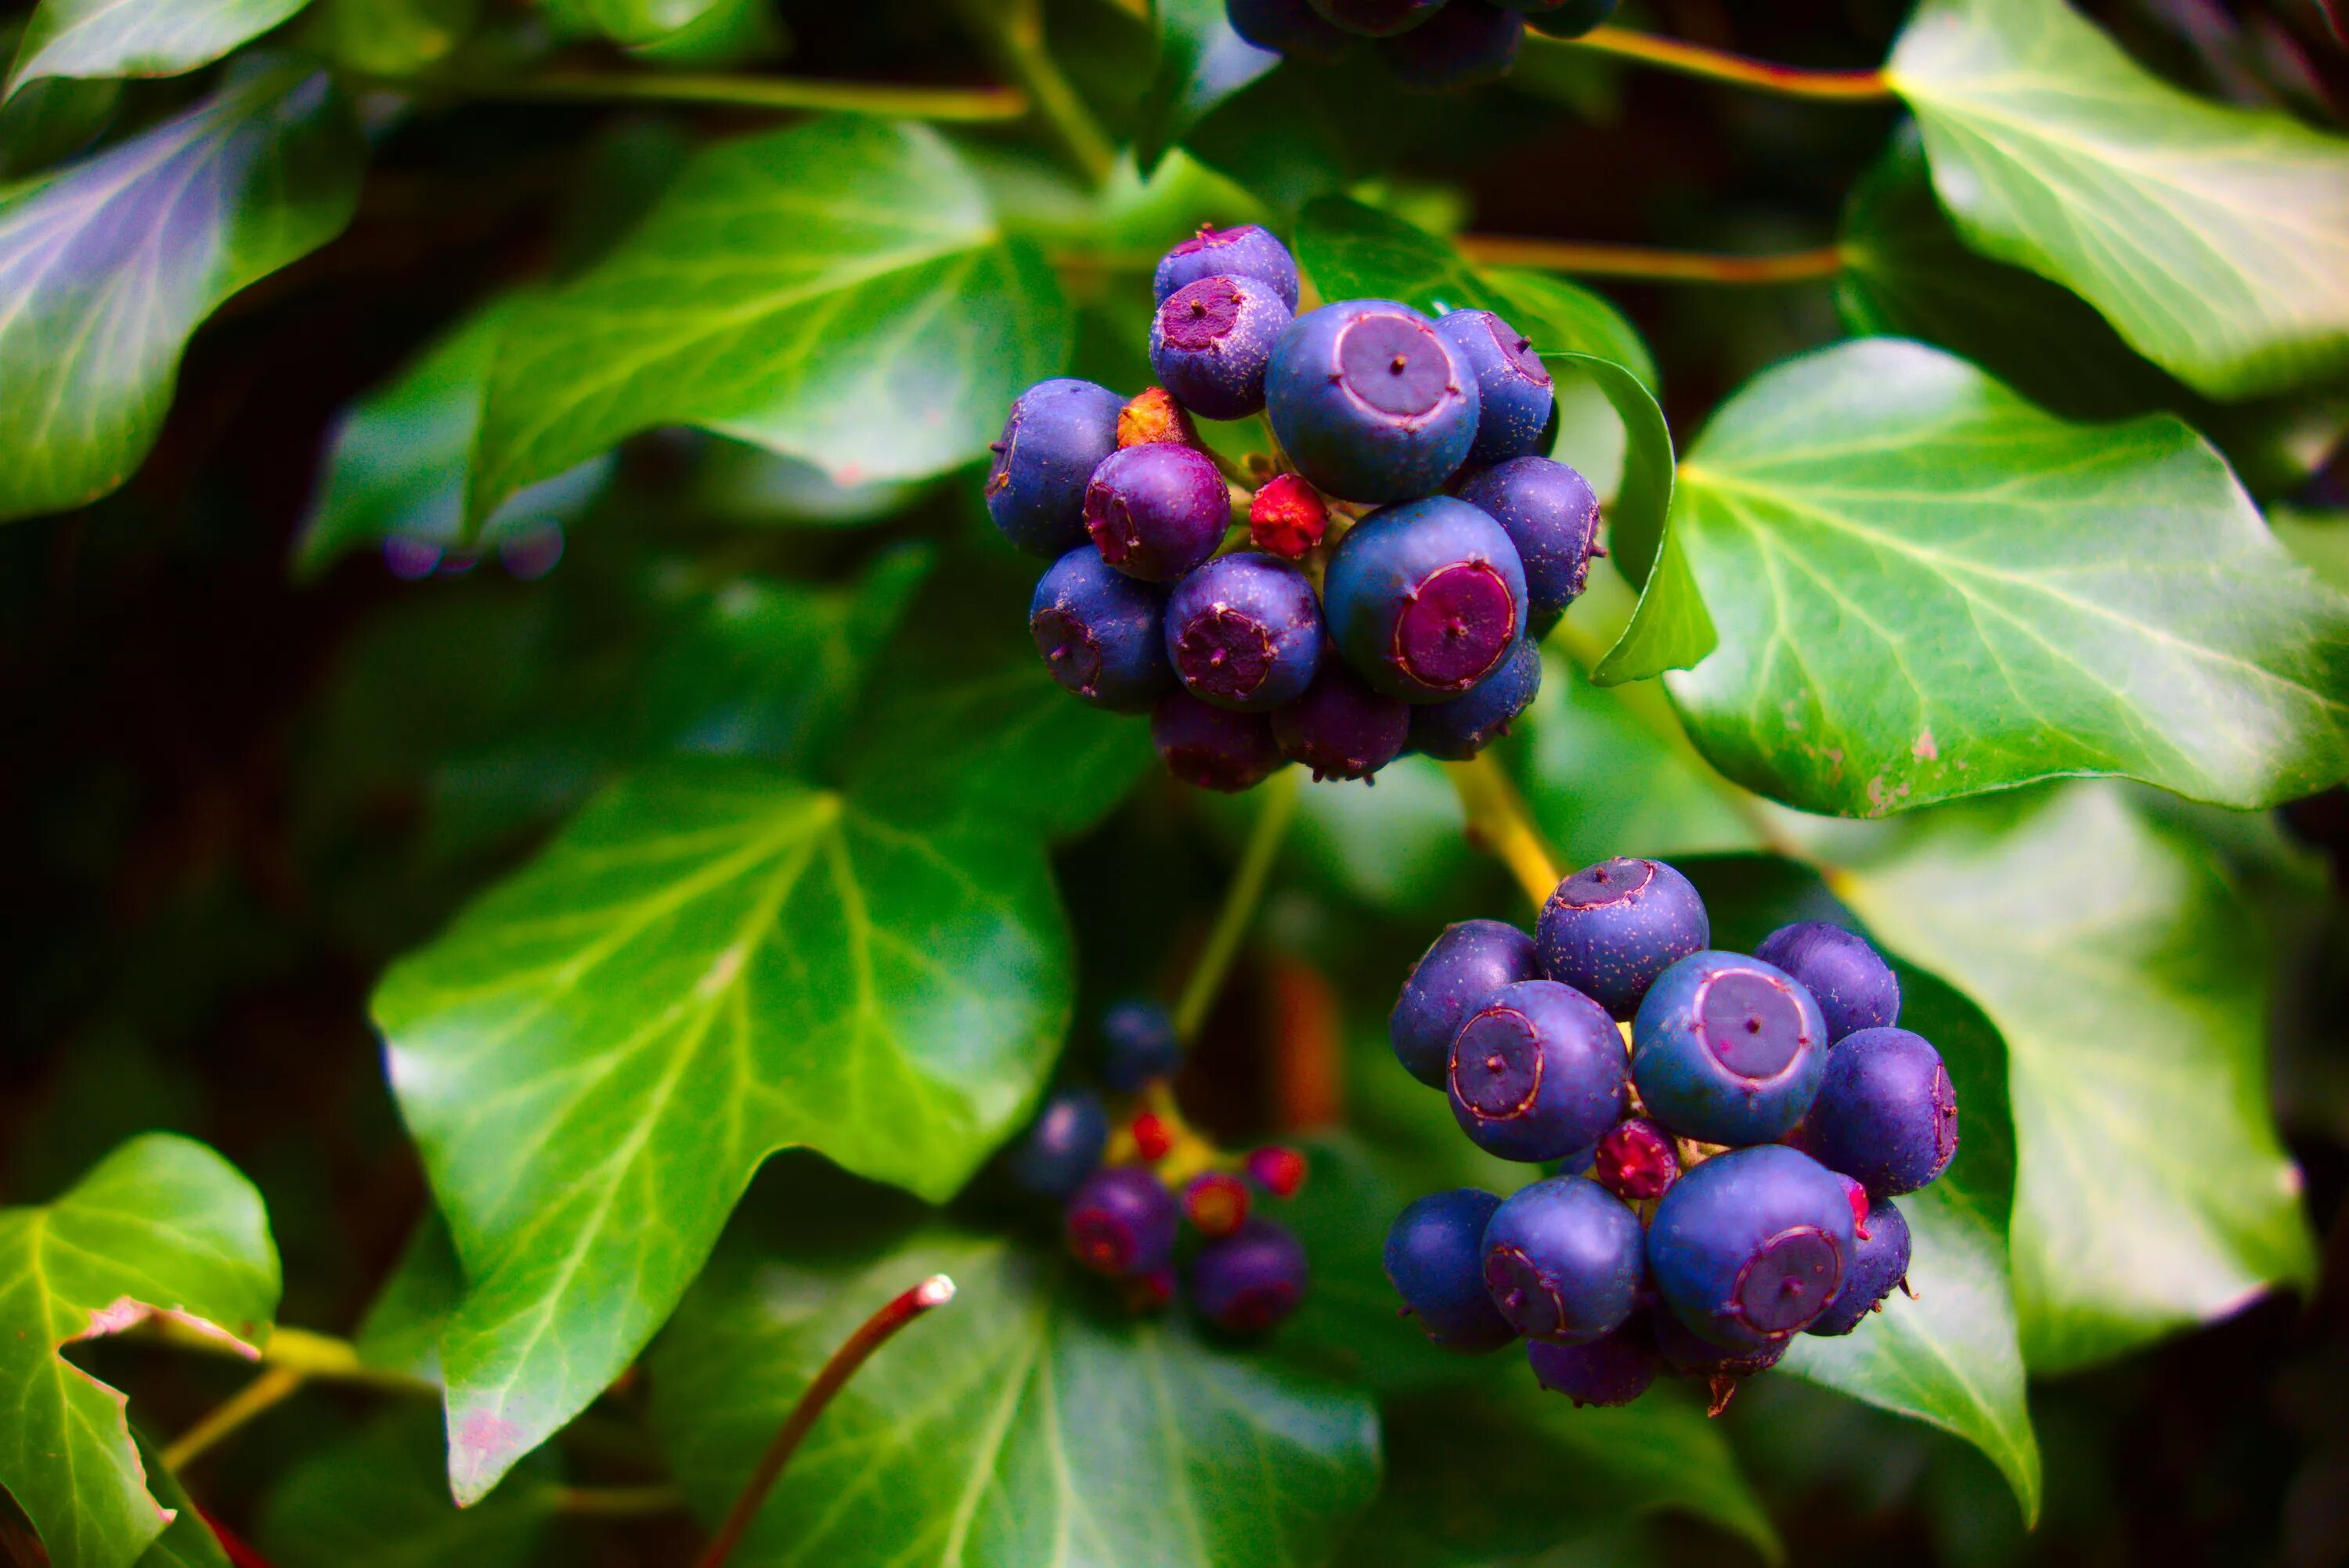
[1029, 1421]
[390, 37]
[640, 21]
[89, 38]
[1926, 588]
[107, 268]
[2215, 240]
[379, 1498]
[839, 292]
[1201, 63]
[2129, 981]
[401, 1331]
[2319, 539]
[52, 118]
[187, 1542]
[162, 1227]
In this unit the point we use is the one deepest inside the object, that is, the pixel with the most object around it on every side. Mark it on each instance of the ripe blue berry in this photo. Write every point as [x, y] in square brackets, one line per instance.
[1567, 18]
[1563, 1260]
[1156, 511]
[1879, 1263]
[1751, 1246]
[1121, 1223]
[1514, 396]
[1461, 971]
[1458, 729]
[1691, 1356]
[1435, 1261]
[1340, 727]
[1425, 599]
[1551, 514]
[1211, 341]
[1063, 1146]
[1377, 18]
[1855, 988]
[1213, 748]
[1886, 1114]
[1465, 45]
[1369, 402]
[1059, 431]
[1290, 27]
[1248, 250]
[1244, 632]
[1536, 1072]
[1613, 1370]
[1728, 1049]
[1248, 1282]
[1610, 929]
[1636, 1160]
[1138, 1043]
[1103, 634]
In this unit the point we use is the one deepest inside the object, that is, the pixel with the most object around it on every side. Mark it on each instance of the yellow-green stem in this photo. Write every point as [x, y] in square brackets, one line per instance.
[783, 94]
[1014, 29]
[1653, 265]
[274, 1387]
[1275, 807]
[317, 1356]
[1497, 823]
[1716, 65]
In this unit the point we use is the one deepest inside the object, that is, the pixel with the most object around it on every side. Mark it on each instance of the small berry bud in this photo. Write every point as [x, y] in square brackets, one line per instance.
[1154, 417]
[1151, 1292]
[1151, 1138]
[1637, 1160]
[1278, 1171]
[1215, 1204]
[1287, 517]
[1857, 1195]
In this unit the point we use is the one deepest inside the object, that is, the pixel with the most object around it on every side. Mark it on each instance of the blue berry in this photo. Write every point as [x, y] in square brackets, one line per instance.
[1156, 511]
[1425, 599]
[1610, 929]
[1886, 1114]
[1690, 1354]
[1369, 402]
[1750, 1246]
[1289, 28]
[1103, 634]
[1377, 18]
[1563, 1260]
[1139, 1043]
[1465, 45]
[1340, 727]
[1057, 433]
[1537, 1073]
[1461, 971]
[1728, 1049]
[1244, 632]
[1248, 251]
[1513, 395]
[1211, 341]
[1458, 729]
[1063, 1146]
[1435, 1261]
[1213, 748]
[1566, 18]
[1551, 514]
[1248, 1282]
[1613, 1370]
[1855, 988]
[1121, 1222]
[1879, 1263]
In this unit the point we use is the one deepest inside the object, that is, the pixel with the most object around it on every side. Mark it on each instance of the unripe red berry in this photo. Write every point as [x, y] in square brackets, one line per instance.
[1151, 1138]
[1279, 1171]
[1154, 417]
[1216, 1204]
[1287, 517]
[1637, 1159]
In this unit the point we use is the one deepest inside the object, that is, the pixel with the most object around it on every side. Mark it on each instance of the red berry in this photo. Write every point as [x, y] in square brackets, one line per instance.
[1215, 1204]
[1151, 1136]
[1278, 1171]
[1636, 1160]
[1858, 1194]
[1154, 417]
[1287, 517]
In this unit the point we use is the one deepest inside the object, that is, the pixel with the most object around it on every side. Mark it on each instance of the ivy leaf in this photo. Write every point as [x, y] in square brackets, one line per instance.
[50, 120]
[1926, 588]
[638, 22]
[105, 38]
[2215, 240]
[1201, 63]
[1028, 1422]
[107, 267]
[161, 1227]
[2129, 981]
[379, 1498]
[839, 292]
[187, 1542]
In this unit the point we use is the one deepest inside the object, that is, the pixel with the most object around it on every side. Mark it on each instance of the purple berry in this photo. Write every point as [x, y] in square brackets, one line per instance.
[1879, 1263]
[1458, 729]
[1425, 599]
[1551, 514]
[1121, 1223]
[1369, 402]
[1563, 1261]
[1244, 632]
[1211, 341]
[1063, 1146]
[1290, 27]
[1213, 748]
[1340, 727]
[1139, 1043]
[1514, 396]
[1435, 1261]
[1690, 1354]
[1637, 1159]
[1248, 250]
[1103, 634]
[1610, 929]
[1057, 433]
[1467, 43]
[1613, 1370]
[1250, 1281]
[1728, 1049]
[1536, 1072]
[1461, 971]
[1564, 18]
[1886, 1114]
[1156, 511]
[1750, 1246]
[1377, 18]
[1855, 988]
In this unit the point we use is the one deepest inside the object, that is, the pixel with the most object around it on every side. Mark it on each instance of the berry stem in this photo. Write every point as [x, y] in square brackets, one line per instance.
[1498, 825]
[960, 105]
[273, 1388]
[1015, 30]
[1277, 807]
[1653, 265]
[855, 1351]
[1717, 64]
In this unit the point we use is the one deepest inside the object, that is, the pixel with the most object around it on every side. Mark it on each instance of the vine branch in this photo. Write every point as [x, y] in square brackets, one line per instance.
[1498, 824]
[321, 1357]
[1276, 809]
[273, 1388]
[1645, 262]
[957, 105]
[1718, 65]
[1014, 29]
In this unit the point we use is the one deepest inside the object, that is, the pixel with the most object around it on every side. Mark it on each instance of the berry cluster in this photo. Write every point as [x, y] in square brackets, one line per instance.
[1727, 1186]
[1381, 585]
[1126, 1200]
[1430, 45]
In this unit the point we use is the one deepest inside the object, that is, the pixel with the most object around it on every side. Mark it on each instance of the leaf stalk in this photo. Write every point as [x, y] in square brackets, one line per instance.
[1498, 824]
[1276, 809]
[782, 94]
[1720, 66]
[1649, 264]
